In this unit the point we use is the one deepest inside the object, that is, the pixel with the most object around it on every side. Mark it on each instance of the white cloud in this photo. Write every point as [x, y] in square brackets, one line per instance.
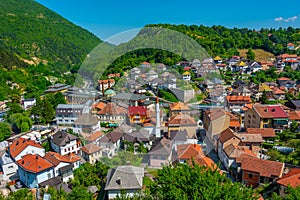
[290, 19]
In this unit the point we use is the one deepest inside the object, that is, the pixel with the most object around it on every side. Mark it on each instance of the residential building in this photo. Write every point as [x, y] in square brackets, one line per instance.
[57, 88]
[137, 114]
[34, 169]
[110, 143]
[127, 179]
[86, 123]
[266, 133]
[255, 171]
[62, 166]
[293, 104]
[151, 75]
[236, 103]
[91, 153]
[21, 147]
[8, 166]
[182, 121]
[105, 84]
[75, 95]
[179, 107]
[186, 76]
[291, 179]
[65, 143]
[94, 137]
[67, 114]
[135, 73]
[56, 158]
[129, 98]
[112, 114]
[160, 153]
[215, 121]
[28, 103]
[266, 116]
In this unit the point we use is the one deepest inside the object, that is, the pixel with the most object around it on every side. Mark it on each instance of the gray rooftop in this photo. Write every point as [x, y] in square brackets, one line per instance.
[129, 96]
[125, 177]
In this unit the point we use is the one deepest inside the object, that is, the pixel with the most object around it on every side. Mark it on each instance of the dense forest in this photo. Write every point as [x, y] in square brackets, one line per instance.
[35, 33]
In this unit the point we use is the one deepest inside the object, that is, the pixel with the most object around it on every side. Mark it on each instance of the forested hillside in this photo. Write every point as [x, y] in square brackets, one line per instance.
[37, 34]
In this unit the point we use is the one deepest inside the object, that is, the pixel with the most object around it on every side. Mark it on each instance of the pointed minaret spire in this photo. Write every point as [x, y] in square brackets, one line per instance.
[157, 116]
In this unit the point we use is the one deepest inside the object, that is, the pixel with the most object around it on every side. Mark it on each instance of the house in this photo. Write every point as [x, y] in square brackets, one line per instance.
[62, 167]
[86, 123]
[192, 153]
[76, 95]
[236, 103]
[137, 114]
[291, 179]
[234, 122]
[294, 115]
[22, 146]
[186, 76]
[67, 114]
[57, 88]
[266, 116]
[105, 84]
[112, 113]
[56, 158]
[161, 153]
[255, 171]
[266, 133]
[293, 104]
[161, 68]
[91, 153]
[151, 75]
[135, 73]
[241, 91]
[259, 89]
[110, 143]
[127, 179]
[28, 103]
[217, 60]
[178, 137]
[290, 46]
[215, 121]
[94, 137]
[8, 166]
[250, 141]
[34, 169]
[117, 75]
[182, 121]
[179, 107]
[2, 106]
[65, 143]
[278, 93]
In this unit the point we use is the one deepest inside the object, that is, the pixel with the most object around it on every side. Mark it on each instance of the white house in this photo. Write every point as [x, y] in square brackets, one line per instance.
[86, 123]
[65, 143]
[8, 166]
[34, 169]
[27, 103]
[22, 146]
[186, 76]
[67, 114]
[124, 178]
[91, 153]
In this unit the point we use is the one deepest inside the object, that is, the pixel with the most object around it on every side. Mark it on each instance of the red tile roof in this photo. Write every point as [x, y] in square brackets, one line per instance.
[265, 168]
[94, 136]
[214, 114]
[265, 132]
[276, 90]
[20, 144]
[292, 178]
[106, 81]
[187, 151]
[90, 148]
[34, 163]
[178, 106]
[283, 56]
[112, 109]
[283, 79]
[294, 115]
[55, 158]
[270, 111]
[137, 110]
[100, 105]
[232, 99]
[182, 119]
[227, 134]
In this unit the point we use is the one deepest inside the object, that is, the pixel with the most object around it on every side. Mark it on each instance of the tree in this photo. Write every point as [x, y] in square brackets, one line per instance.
[5, 131]
[294, 126]
[48, 111]
[20, 122]
[194, 182]
[264, 97]
[80, 193]
[250, 54]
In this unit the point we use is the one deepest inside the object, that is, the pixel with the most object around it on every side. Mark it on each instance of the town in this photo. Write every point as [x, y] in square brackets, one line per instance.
[217, 113]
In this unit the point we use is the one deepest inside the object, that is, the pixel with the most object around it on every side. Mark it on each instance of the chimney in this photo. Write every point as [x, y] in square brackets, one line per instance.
[36, 156]
[118, 181]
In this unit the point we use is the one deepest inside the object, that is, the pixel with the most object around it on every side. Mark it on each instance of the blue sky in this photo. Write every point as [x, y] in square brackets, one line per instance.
[106, 18]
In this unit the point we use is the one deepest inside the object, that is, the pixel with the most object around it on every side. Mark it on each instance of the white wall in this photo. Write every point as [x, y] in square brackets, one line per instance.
[31, 150]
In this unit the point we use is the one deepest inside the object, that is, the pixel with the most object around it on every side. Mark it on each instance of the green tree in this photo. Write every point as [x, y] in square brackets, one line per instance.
[48, 111]
[5, 131]
[264, 97]
[80, 193]
[194, 182]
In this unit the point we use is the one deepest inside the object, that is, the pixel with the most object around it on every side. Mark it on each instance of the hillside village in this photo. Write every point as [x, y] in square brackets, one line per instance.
[219, 120]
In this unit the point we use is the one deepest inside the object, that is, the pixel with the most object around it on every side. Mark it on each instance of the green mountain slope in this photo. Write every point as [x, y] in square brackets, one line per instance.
[37, 34]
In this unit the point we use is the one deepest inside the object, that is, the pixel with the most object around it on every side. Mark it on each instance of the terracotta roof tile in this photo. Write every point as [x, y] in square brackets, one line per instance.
[187, 151]
[34, 163]
[270, 111]
[226, 135]
[106, 81]
[55, 158]
[94, 136]
[182, 119]
[178, 106]
[265, 168]
[20, 144]
[100, 105]
[215, 113]
[265, 132]
[292, 178]
[134, 110]
[112, 109]
[294, 115]
[90, 148]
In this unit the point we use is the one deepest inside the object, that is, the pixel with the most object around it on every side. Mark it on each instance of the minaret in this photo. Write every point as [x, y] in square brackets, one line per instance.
[157, 116]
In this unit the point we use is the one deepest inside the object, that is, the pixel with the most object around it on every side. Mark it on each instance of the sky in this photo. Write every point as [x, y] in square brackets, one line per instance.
[107, 18]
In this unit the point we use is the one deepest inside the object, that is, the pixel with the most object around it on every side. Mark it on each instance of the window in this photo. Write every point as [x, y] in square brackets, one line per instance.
[250, 175]
[49, 175]
[10, 167]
